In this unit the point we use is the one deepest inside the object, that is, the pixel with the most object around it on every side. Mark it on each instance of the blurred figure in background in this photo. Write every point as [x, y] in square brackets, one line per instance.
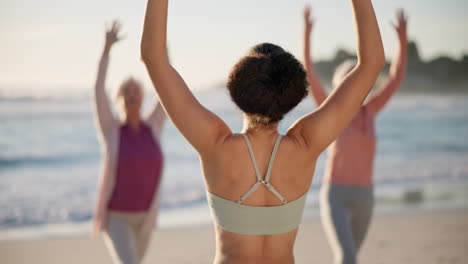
[347, 193]
[127, 202]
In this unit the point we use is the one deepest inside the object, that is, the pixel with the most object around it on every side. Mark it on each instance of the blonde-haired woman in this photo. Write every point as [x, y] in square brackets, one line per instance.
[127, 201]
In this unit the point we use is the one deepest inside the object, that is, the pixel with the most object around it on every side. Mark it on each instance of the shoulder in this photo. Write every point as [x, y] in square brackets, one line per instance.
[145, 126]
[295, 140]
[230, 141]
[367, 111]
[111, 133]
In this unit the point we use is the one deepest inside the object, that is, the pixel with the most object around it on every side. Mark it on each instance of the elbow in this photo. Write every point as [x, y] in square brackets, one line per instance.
[152, 56]
[374, 60]
[145, 52]
[380, 58]
[379, 65]
[380, 61]
[376, 63]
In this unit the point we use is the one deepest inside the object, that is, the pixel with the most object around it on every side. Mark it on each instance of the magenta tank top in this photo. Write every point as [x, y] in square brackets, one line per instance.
[139, 168]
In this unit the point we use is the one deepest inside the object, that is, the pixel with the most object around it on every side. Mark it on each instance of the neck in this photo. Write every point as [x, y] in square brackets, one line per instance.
[133, 122]
[265, 131]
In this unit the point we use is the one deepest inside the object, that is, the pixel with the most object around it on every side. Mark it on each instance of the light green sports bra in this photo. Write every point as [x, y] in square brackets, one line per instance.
[243, 219]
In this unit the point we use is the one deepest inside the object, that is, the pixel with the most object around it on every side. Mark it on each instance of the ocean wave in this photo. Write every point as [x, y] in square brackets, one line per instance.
[55, 159]
[37, 160]
[46, 98]
[42, 93]
[193, 206]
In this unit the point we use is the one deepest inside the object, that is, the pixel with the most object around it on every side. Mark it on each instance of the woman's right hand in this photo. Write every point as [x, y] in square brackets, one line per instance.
[113, 34]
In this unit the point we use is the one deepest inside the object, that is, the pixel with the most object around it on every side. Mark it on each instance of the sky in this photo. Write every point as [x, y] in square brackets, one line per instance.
[54, 45]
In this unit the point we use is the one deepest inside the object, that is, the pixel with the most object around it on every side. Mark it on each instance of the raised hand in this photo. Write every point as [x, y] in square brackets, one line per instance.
[196, 123]
[401, 25]
[309, 21]
[113, 34]
[397, 69]
[321, 127]
[318, 93]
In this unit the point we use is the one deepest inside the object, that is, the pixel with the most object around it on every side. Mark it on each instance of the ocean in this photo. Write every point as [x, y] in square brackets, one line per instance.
[50, 158]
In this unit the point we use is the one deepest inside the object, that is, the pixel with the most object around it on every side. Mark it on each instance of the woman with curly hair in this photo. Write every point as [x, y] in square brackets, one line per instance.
[257, 180]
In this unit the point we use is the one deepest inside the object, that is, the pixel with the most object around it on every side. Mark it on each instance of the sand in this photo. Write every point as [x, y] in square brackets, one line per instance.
[417, 237]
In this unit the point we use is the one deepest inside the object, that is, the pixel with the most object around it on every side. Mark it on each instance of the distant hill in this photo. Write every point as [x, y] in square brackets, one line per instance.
[442, 74]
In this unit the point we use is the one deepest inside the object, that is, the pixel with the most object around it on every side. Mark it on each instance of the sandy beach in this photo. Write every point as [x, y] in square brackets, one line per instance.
[416, 237]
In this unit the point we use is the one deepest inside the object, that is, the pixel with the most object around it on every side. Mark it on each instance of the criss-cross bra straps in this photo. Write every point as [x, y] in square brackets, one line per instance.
[260, 180]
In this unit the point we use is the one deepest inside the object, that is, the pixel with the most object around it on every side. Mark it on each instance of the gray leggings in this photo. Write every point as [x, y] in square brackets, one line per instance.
[346, 212]
[125, 240]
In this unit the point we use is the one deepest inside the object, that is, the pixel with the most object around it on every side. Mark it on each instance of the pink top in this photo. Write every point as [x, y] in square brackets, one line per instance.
[139, 168]
[351, 155]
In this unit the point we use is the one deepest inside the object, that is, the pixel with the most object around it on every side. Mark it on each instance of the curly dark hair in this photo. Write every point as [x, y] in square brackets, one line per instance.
[267, 83]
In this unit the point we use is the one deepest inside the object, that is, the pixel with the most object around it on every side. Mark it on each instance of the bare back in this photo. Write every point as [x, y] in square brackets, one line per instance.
[226, 164]
[230, 173]
[351, 155]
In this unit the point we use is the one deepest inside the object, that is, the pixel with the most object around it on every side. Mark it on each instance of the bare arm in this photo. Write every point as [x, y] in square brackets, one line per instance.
[106, 121]
[316, 88]
[156, 120]
[105, 116]
[321, 127]
[106, 185]
[202, 128]
[397, 70]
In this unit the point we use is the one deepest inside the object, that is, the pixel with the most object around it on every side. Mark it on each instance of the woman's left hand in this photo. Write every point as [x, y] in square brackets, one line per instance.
[99, 223]
[309, 21]
[401, 25]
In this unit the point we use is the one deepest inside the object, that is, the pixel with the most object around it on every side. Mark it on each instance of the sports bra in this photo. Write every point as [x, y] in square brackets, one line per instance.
[243, 219]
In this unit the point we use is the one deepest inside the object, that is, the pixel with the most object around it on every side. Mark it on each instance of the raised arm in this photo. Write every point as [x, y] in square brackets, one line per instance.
[104, 113]
[200, 127]
[156, 119]
[397, 69]
[321, 127]
[317, 91]
[106, 121]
